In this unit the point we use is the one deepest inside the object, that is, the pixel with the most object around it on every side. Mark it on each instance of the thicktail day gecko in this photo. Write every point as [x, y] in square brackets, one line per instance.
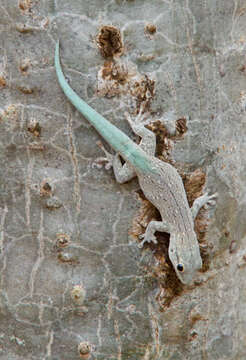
[160, 182]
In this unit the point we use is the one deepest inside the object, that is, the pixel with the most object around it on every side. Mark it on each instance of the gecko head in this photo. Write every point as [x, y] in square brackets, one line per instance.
[184, 254]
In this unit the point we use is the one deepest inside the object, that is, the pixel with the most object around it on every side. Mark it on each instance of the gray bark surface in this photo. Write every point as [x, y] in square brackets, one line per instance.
[69, 272]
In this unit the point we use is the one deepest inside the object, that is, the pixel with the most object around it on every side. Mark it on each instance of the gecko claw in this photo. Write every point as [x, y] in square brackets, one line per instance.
[100, 162]
[148, 239]
[210, 200]
[107, 160]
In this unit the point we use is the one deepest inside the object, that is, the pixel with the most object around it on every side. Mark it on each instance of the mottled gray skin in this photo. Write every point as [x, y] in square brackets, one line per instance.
[170, 199]
[160, 182]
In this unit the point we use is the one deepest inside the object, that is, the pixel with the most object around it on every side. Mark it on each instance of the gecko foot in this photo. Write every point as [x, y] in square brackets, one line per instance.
[139, 121]
[209, 199]
[107, 161]
[101, 162]
[147, 238]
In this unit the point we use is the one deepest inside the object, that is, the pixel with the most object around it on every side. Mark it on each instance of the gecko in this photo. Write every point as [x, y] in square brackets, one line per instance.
[159, 181]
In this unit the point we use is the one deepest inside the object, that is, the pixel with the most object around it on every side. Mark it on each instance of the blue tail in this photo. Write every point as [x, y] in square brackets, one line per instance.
[119, 141]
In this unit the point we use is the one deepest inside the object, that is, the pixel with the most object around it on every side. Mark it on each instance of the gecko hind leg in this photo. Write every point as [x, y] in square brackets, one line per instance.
[122, 173]
[148, 138]
[153, 226]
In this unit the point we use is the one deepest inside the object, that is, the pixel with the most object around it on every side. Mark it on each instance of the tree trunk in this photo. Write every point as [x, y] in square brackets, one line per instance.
[73, 281]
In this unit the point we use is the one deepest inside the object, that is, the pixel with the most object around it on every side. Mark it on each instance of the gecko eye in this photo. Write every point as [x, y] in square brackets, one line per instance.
[180, 267]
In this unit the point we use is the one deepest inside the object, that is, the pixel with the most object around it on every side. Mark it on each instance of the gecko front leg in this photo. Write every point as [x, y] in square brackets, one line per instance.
[153, 226]
[201, 201]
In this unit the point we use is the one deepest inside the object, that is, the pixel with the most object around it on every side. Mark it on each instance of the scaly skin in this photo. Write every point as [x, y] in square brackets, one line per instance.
[160, 182]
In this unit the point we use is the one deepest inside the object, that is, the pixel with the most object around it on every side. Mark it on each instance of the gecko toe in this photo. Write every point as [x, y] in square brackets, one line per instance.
[147, 239]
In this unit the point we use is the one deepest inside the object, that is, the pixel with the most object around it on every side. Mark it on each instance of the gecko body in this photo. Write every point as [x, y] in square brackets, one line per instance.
[160, 182]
